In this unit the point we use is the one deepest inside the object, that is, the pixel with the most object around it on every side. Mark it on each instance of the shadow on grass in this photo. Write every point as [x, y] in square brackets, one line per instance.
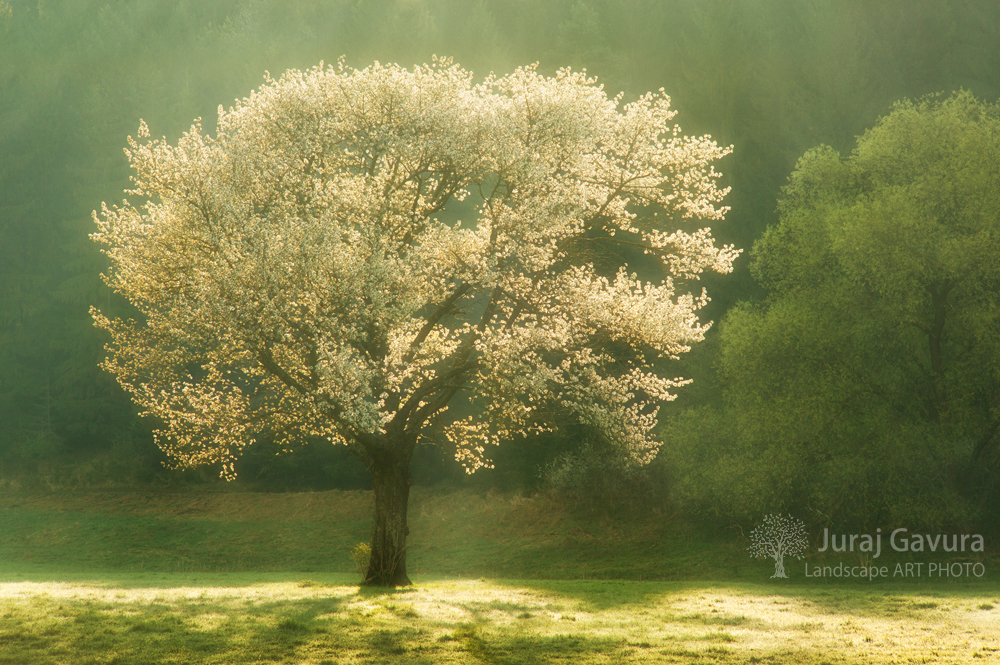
[91, 632]
[522, 649]
[887, 599]
[525, 649]
[881, 599]
[46, 631]
[379, 591]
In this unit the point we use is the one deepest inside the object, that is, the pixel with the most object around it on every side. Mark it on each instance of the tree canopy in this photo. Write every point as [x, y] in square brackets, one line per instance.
[868, 384]
[299, 275]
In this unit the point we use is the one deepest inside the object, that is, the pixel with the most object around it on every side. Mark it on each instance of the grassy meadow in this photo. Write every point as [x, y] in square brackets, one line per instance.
[133, 577]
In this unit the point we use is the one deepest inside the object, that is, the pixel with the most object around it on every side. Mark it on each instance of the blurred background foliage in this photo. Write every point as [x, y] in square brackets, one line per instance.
[867, 383]
[808, 394]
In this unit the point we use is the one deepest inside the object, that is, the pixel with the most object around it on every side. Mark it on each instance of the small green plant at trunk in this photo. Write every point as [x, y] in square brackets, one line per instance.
[361, 554]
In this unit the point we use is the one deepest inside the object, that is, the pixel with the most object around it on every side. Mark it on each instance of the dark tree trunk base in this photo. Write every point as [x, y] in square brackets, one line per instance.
[391, 481]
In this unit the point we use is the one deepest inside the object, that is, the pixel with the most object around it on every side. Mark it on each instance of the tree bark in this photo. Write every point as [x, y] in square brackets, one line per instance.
[391, 481]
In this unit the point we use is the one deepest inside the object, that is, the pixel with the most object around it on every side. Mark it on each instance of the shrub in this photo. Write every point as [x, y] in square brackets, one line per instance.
[361, 554]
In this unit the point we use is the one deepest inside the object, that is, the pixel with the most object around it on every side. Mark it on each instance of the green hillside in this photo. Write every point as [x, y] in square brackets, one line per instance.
[452, 534]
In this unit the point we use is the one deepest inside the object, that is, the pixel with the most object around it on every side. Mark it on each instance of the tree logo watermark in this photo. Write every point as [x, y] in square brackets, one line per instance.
[776, 537]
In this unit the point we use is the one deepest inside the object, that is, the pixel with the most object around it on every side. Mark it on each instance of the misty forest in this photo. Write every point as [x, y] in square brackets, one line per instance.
[499, 332]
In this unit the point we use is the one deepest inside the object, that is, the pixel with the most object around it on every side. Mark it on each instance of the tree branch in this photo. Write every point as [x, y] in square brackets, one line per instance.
[267, 361]
[443, 310]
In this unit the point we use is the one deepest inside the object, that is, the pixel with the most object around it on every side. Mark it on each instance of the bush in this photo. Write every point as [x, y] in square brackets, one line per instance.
[861, 476]
[361, 554]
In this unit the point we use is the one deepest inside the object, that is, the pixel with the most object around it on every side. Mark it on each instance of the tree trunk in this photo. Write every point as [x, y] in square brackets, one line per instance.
[391, 481]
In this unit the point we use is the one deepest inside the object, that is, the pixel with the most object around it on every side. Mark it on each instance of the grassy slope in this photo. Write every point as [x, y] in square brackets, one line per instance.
[459, 533]
[456, 533]
[102, 577]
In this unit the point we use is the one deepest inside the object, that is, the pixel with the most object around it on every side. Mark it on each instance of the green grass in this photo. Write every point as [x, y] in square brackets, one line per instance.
[243, 618]
[459, 533]
[452, 533]
[105, 577]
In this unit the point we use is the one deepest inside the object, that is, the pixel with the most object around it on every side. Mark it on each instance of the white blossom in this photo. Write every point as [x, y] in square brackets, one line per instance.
[301, 273]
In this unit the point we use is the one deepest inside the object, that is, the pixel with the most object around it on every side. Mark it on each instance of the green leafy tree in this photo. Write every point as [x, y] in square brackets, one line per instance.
[868, 384]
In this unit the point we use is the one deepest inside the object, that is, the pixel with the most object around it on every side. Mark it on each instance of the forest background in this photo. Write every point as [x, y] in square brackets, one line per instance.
[774, 78]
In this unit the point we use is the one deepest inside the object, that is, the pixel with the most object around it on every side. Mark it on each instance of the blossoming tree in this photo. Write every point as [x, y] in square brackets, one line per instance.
[298, 275]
